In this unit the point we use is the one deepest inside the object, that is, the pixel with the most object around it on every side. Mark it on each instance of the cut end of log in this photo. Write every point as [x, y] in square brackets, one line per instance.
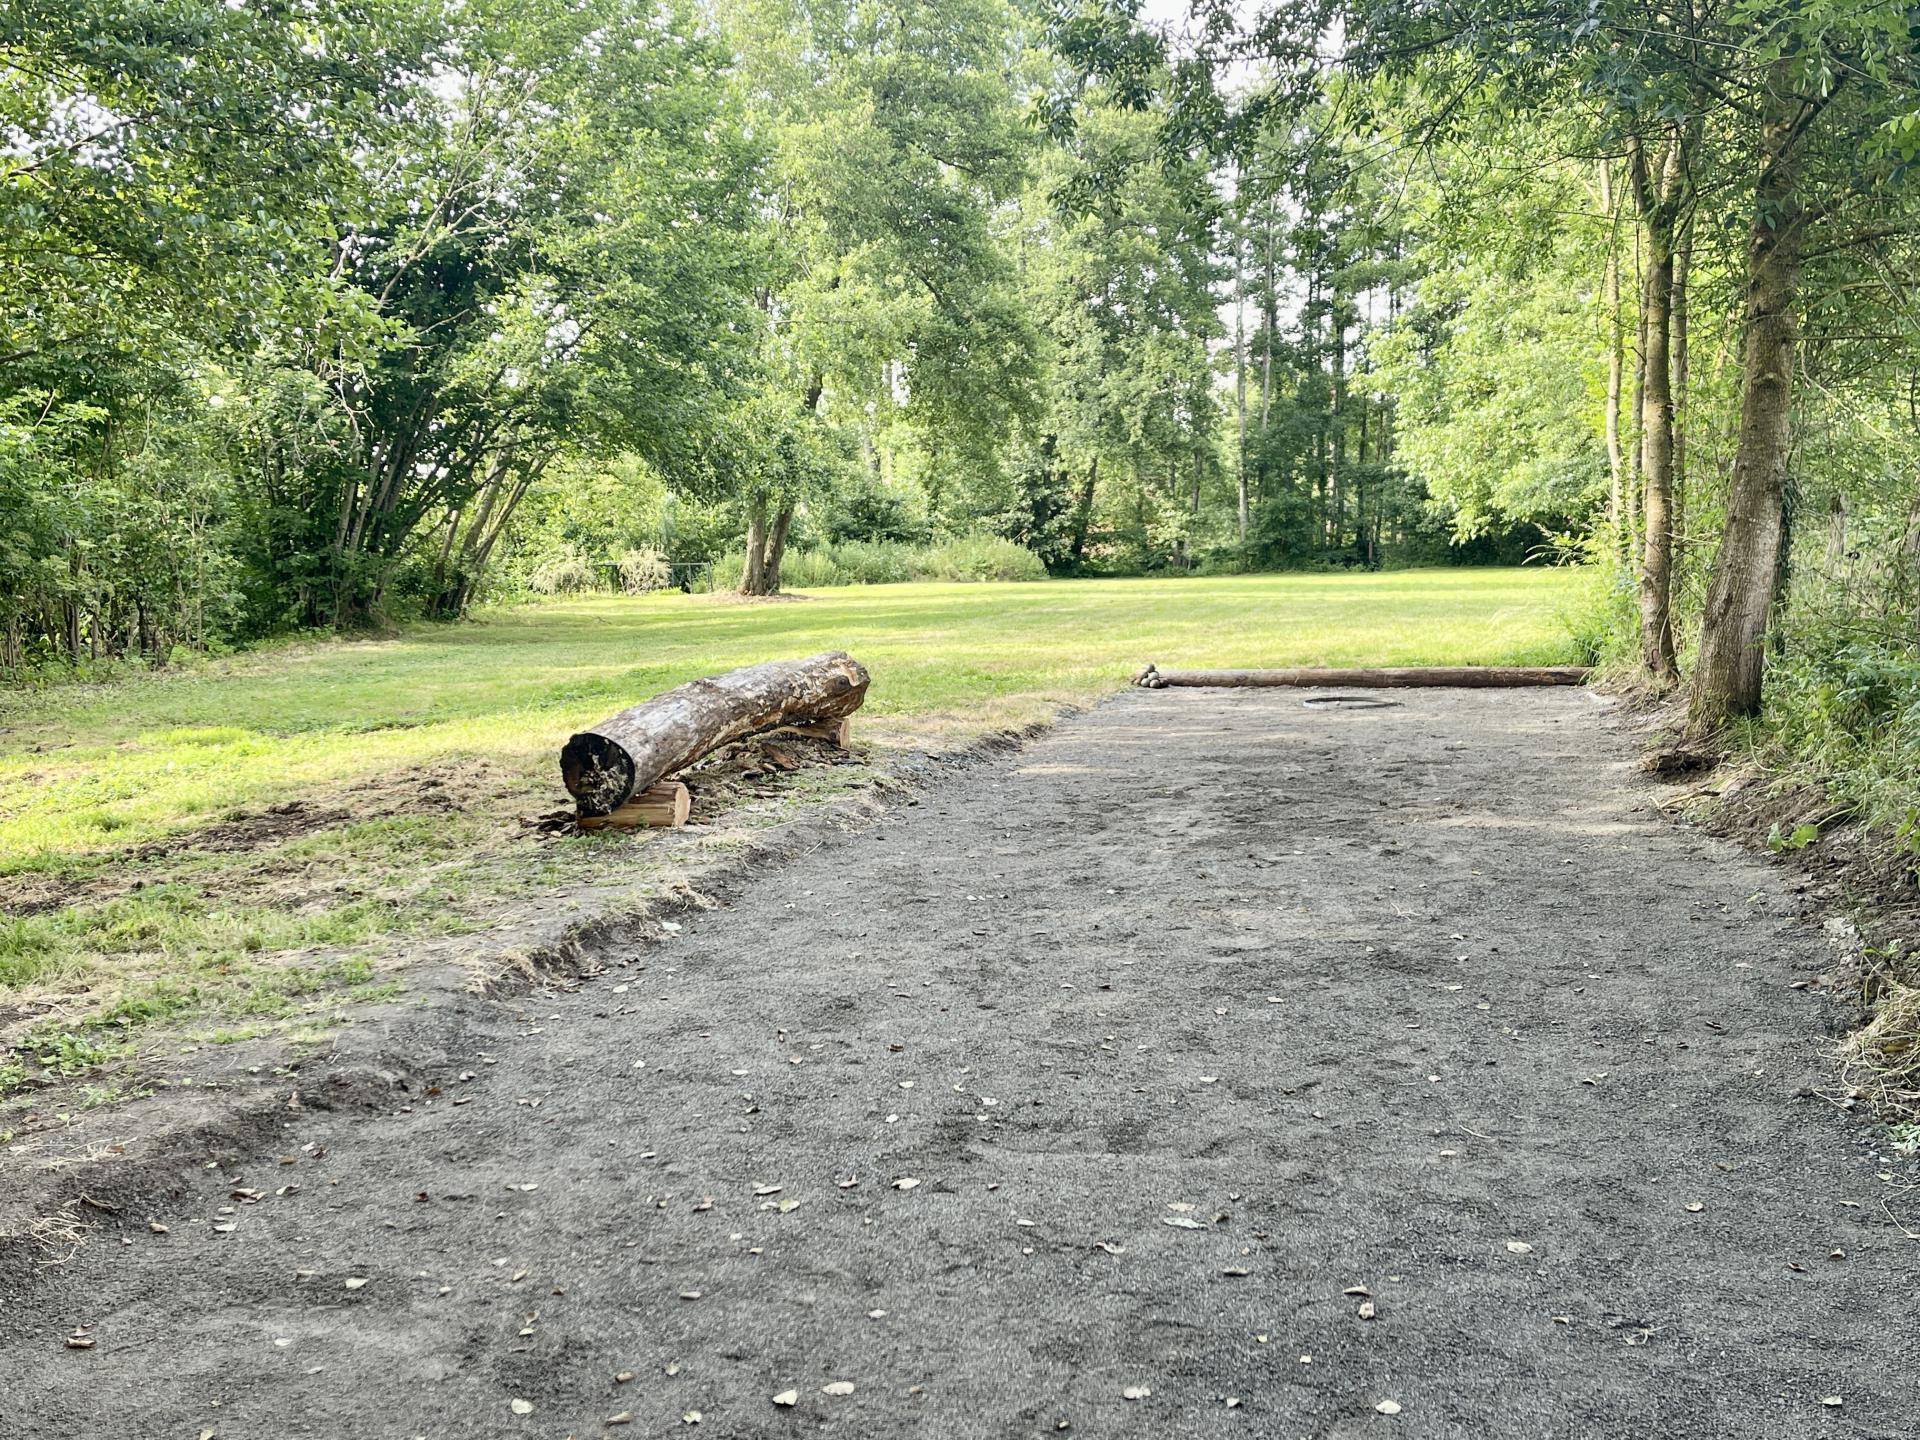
[663, 806]
[598, 773]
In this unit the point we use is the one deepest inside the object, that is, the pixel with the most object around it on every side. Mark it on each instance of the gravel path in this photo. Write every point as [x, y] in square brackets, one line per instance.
[1144, 1060]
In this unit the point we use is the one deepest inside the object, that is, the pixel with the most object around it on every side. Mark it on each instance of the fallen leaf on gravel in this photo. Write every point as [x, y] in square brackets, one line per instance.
[1837, 1255]
[1209, 1079]
[1694, 1207]
[837, 1387]
[1136, 1392]
[1519, 1247]
[1833, 1400]
[355, 1282]
[1233, 1402]
[1180, 1207]
[1366, 1310]
[1357, 1290]
[689, 1294]
[876, 1314]
[905, 1182]
[766, 1189]
[1109, 1247]
[673, 1367]
[530, 1185]
[156, 1227]
[787, 1397]
[282, 1343]
[625, 1417]
[1182, 1222]
[692, 1417]
[1388, 1407]
[223, 1227]
[523, 1407]
[788, 1206]
[623, 1377]
[78, 1341]
[1236, 1270]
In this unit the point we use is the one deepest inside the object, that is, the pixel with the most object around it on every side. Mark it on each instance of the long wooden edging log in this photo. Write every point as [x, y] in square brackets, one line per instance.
[603, 767]
[1393, 678]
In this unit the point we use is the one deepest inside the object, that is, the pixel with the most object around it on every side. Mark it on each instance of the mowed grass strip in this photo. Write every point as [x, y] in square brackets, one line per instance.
[145, 876]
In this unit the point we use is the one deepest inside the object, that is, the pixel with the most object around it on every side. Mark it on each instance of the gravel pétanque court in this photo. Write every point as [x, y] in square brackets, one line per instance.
[1217, 1065]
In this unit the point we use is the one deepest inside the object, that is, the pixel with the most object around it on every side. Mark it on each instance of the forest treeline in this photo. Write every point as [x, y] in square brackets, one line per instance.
[316, 313]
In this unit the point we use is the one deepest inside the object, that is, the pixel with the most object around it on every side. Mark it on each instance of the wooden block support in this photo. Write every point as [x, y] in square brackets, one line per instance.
[667, 804]
[835, 732]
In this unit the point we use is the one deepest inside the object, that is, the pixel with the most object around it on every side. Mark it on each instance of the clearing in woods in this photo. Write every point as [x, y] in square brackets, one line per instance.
[240, 849]
[1217, 1065]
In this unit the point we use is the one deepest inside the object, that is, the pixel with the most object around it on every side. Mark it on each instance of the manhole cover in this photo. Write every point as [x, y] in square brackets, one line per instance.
[1350, 702]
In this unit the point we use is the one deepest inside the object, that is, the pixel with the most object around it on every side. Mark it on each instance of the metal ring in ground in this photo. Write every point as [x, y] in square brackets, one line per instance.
[1351, 702]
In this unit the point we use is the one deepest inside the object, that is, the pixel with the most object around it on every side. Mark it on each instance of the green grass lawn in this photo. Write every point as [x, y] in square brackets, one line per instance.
[144, 878]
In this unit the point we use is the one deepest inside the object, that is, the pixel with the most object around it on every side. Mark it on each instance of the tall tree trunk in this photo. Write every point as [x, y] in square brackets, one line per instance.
[1616, 367]
[1083, 516]
[1682, 275]
[1336, 427]
[1659, 196]
[1637, 415]
[1728, 674]
[777, 547]
[753, 576]
[1240, 371]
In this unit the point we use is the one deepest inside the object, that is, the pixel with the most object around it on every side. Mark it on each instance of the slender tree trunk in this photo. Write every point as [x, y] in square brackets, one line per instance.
[1240, 373]
[1616, 367]
[1728, 674]
[1682, 275]
[1336, 428]
[1660, 196]
[1637, 417]
[1083, 517]
[1656, 454]
[1656, 463]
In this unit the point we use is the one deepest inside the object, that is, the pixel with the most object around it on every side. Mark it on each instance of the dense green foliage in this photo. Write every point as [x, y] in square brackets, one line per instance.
[322, 315]
[327, 314]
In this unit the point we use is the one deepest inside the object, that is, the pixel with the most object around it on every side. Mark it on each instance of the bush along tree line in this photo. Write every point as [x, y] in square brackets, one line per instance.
[326, 313]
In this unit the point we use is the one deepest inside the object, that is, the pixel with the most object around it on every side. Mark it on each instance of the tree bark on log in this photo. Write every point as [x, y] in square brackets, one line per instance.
[605, 766]
[1475, 677]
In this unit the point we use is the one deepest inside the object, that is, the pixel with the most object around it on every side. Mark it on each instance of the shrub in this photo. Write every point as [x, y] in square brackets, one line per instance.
[879, 562]
[564, 574]
[643, 570]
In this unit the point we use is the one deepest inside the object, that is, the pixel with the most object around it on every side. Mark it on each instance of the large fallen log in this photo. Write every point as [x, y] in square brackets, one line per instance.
[1393, 678]
[605, 766]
